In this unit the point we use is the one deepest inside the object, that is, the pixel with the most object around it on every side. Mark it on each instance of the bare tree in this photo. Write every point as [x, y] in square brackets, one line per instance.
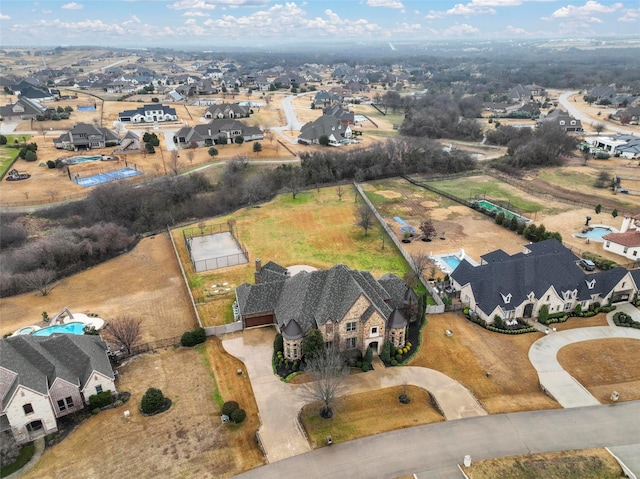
[327, 371]
[124, 331]
[174, 162]
[340, 192]
[42, 280]
[599, 127]
[190, 155]
[420, 261]
[364, 218]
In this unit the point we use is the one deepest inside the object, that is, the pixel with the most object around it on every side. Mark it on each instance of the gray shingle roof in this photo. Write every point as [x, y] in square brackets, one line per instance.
[38, 360]
[313, 298]
[549, 263]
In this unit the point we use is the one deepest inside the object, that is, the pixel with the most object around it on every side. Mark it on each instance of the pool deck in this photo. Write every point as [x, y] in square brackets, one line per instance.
[596, 239]
[438, 260]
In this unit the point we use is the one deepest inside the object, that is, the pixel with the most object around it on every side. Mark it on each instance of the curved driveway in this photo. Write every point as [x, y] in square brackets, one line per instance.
[279, 403]
[558, 383]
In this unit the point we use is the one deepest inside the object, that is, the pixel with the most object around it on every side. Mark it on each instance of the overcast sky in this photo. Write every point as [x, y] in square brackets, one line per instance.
[140, 23]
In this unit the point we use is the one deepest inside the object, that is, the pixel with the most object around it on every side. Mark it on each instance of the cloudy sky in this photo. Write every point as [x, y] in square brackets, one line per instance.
[139, 23]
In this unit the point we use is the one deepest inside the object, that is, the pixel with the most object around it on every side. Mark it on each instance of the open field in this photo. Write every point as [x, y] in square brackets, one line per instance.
[473, 351]
[473, 231]
[353, 415]
[145, 282]
[585, 464]
[604, 366]
[317, 228]
[186, 441]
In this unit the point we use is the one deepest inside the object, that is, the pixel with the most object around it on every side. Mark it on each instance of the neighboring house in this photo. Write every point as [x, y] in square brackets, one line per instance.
[352, 309]
[130, 143]
[328, 126]
[602, 92]
[216, 132]
[562, 119]
[149, 114]
[120, 86]
[546, 273]
[227, 110]
[324, 98]
[173, 96]
[43, 378]
[84, 136]
[625, 146]
[345, 116]
[629, 116]
[627, 242]
[24, 109]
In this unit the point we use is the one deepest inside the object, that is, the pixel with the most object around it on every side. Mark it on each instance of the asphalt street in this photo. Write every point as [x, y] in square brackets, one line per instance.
[442, 445]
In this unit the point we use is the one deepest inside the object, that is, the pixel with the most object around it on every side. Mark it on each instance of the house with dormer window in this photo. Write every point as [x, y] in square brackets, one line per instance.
[43, 378]
[351, 308]
[545, 274]
[148, 114]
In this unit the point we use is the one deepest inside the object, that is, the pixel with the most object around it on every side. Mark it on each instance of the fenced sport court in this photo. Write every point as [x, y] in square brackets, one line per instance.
[214, 247]
[104, 174]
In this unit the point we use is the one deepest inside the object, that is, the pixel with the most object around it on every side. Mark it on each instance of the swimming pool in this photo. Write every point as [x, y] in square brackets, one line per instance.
[69, 328]
[595, 233]
[27, 330]
[82, 159]
[451, 260]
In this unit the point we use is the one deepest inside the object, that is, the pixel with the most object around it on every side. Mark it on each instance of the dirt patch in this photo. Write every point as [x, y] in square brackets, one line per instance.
[389, 194]
[146, 283]
[604, 366]
[473, 351]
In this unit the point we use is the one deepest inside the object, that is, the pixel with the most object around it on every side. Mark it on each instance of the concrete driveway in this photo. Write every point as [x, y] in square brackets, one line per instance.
[558, 383]
[279, 403]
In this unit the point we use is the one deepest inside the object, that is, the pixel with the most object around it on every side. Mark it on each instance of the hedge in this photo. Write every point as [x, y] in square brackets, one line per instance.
[100, 400]
[191, 338]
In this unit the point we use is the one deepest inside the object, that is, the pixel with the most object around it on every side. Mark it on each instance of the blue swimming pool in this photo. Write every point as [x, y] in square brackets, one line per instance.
[595, 233]
[69, 328]
[27, 330]
[451, 260]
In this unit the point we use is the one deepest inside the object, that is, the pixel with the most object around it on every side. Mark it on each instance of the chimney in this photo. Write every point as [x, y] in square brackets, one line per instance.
[256, 275]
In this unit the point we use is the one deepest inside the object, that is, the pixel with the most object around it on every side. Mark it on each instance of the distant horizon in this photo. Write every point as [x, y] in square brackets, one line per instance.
[264, 24]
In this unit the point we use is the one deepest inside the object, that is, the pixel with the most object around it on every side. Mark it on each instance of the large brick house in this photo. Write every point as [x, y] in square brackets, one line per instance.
[216, 132]
[44, 378]
[352, 309]
[85, 136]
[546, 273]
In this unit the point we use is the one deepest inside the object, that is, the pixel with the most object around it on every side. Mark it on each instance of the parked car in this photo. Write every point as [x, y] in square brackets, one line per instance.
[587, 264]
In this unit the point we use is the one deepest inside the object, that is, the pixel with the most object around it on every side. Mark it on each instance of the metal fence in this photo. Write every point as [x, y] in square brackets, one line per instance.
[155, 345]
[216, 262]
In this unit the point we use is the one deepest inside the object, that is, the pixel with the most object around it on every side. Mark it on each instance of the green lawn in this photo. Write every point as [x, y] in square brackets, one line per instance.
[469, 188]
[7, 155]
[26, 453]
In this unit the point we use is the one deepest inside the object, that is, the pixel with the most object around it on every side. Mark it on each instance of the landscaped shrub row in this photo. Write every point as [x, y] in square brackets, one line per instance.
[545, 318]
[100, 400]
[602, 263]
[625, 321]
[490, 327]
[191, 338]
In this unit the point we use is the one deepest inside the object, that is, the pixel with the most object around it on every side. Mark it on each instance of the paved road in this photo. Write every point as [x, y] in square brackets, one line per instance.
[436, 446]
[563, 99]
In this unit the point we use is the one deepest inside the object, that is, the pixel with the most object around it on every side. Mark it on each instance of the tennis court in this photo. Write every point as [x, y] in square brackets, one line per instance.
[100, 178]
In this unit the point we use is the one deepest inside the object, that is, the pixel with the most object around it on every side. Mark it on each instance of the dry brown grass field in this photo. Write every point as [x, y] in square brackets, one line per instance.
[473, 351]
[146, 283]
[583, 464]
[604, 366]
[353, 415]
[186, 441]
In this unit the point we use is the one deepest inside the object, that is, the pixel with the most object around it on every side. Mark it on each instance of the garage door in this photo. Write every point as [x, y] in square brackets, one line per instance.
[254, 321]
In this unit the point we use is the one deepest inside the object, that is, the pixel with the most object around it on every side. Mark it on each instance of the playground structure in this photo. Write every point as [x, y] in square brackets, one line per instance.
[404, 227]
[13, 175]
[214, 246]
